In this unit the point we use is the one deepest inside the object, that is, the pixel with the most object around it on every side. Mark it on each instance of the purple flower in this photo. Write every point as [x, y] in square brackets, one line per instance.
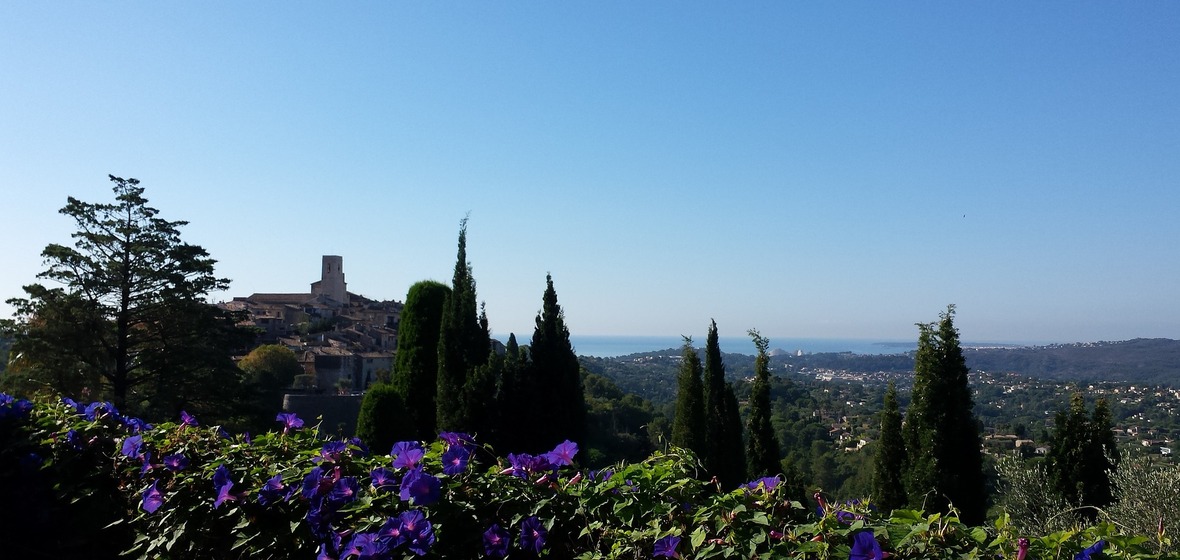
[382, 478]
[187, 420]
[135, 425]
[532, 535]
[1022, 550]
[417, 530]
[99, 410]
[496, 541]
[332, 451]
[74, 440]
[362, 450]
[152, 498]
[290, 421]
[315, 484]
[78, 409]
[865, 547]
[666, 547]
[364, 546]
[455, 459]
[525, 465]
[1093, 552]
[175, 462]
[423, 488]
[460, 439]
[391, 533]
[563, 454]
[767, 484]
[344, 491]
[132, 446]
[223, 484]
[146, 459]
[275, 491]
[406, 454]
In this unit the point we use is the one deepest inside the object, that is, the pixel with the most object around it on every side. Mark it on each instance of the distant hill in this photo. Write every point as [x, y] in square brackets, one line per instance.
[1145, 361]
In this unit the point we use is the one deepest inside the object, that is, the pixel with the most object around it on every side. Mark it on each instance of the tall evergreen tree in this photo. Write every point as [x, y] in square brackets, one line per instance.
[514, 400]
[688, 427]
[380, 422]
[464, 345]
[554, 368]
[723, 455]
[890, 459]
[415, 374]
[1082, 451]
[762, 452]
[945, 462]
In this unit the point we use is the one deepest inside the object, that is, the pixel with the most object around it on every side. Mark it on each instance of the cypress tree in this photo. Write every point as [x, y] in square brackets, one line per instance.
[556, 374]
[723, 456]
[415, 374]
[463, 345]
[762, 453]
[688, 427]
[512, 399]
[941, 432]
[1082, 452]
[889, 461]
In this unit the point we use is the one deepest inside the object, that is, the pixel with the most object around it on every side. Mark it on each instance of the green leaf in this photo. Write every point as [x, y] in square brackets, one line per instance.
[698, 537]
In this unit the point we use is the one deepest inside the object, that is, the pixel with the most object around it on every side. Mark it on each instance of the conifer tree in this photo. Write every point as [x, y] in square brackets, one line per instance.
[945, 462]
[415, 374]
[557, 375]
[688, 427]
[723, 456]
[889, 461]
[1081, 454]
[513, 411]
[464, 345]
[380, 420]
[762, 452]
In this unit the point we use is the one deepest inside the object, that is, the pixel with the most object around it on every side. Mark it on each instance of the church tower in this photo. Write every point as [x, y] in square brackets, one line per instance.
[331, 282]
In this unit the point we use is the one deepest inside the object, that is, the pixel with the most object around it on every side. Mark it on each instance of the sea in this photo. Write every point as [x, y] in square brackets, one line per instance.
[603, 346]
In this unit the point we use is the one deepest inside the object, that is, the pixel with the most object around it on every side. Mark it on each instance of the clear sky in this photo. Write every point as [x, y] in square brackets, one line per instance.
[807, 169]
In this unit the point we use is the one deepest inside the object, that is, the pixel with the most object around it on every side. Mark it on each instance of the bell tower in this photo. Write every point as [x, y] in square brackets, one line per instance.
[332, 282]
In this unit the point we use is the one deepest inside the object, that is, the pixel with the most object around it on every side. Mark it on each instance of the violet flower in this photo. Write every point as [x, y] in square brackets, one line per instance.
[152, 498]
[406, 454]
[290, 421]
[563, 454]
[423, 488]
[455, 460]
[865, 546]
[1092, 553]
[532, 535]
[187, 420]
[496, 541]
[666, 547]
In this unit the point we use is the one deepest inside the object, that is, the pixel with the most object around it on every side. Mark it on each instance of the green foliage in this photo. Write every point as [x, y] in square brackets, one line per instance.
[762, 451]
[616, 424]
[270, 369]
[128, 320]
[611, 514]
[415, 375]
[945, 465]
[382, 419]
[688, 426]
[1081, 454]
[890, 457]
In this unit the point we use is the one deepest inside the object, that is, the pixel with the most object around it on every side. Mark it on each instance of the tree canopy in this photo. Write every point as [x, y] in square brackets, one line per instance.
[128, 319]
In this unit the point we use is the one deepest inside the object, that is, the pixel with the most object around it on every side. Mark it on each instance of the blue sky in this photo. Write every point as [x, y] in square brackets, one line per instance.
[809, 170]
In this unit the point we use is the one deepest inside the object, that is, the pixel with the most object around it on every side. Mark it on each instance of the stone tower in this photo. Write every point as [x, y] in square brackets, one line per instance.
[331, 282]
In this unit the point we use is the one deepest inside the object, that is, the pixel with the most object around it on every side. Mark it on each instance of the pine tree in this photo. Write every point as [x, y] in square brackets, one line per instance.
[723, 456]
[464, 345]
[941, 432]
[128, 319]
[688, 427]
[557, 375]
[415, 374]
[762, 453]
[889, 461]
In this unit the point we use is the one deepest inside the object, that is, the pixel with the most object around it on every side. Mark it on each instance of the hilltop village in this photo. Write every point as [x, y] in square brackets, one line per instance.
[345, 340]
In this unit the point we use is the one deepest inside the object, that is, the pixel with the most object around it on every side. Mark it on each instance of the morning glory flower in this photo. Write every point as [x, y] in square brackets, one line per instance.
[666, 547]
[99, 410]
[132, 446]
[175, 462]
[1022, 551]
[453, 439]
[423, 488]
[532, 535]
[455, 459]
[767, 484]
[417, 530]
[382, 478]
[496, 541]
[563, 454]
[187, 420]
[290, 421]
[275, 491]
[136, 425]
[1092, 553]
[78, 409]
[865, 547]
[146, 459]
[391, 533]
[344, 491]
[406, 454]
[332, 451]
[223, 484]
[152, 498]
[524, 465]
[362, 450]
